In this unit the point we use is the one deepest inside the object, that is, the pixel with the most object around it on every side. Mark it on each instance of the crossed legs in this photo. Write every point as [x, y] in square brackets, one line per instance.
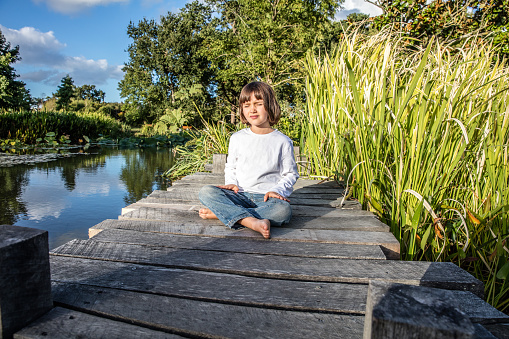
[246, 209]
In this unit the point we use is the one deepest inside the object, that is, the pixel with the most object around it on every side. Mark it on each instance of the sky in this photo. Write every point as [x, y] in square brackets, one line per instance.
[87, 39]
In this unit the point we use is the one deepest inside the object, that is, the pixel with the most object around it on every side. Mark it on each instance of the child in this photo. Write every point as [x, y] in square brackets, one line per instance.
[260, 170]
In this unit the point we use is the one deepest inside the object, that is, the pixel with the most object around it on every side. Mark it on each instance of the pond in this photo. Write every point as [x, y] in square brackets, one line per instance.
[68, 196]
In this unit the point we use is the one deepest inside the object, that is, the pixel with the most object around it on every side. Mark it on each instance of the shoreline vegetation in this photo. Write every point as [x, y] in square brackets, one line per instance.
[420, 135]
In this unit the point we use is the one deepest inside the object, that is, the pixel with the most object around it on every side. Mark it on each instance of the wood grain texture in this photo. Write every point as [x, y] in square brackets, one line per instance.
[213, 287]
[169, 199]
[443, 275]
[206, 319]
[179, 217]
[305, 192]
[403, 311]
[25, 290]
[384, 239]
[61, 323]
[316, 211]
[253, 246]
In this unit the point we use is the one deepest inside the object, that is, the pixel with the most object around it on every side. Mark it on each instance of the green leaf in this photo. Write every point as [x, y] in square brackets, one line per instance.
[417, 215]
[425, 237]
[503, 272]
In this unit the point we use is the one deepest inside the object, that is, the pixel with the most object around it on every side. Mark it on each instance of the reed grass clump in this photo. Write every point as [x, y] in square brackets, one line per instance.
[421, 137]
[28, 126]
[214, 138]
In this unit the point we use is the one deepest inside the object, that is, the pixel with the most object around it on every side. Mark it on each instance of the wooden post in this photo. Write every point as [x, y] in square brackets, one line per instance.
[405, 311]
[25, 286]
[218, 162]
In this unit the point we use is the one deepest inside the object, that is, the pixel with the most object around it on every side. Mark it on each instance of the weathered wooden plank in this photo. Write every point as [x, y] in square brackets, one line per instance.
[62, 323]
[213, 287]
[218, 179]
[254, 291]
[318, 188]
[306, 192]
[403, 311]
[500, 331]
[218, 163]
[253, 246]
[182, 218]
[25, 290]
[437, 274]
[386, 240]
[297, 210]
[349, 204]
[206, 319]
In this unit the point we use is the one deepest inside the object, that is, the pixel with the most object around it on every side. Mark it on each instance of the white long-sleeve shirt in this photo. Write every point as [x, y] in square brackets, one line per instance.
[261, 163]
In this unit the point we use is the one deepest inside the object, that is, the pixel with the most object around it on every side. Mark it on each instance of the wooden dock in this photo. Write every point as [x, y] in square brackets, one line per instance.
[160, 271]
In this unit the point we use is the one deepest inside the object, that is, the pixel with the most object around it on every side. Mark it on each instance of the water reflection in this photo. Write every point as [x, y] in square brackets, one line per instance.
[70, 195]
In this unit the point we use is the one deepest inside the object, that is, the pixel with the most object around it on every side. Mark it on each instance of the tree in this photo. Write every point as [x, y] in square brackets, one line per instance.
[89, 92]
[447, 20]
[13, 93]
[335, 31]
[266, 41]
[166, 67]
[65, 92]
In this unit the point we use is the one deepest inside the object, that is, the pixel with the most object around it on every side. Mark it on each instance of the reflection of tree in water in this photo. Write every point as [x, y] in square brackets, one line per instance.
[141, 170]
[70, 167]
[12, 180]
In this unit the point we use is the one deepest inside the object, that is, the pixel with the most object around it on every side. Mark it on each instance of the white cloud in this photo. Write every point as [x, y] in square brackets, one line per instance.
[357, 6]
[43, 50]
[75, 6]
[36, 48]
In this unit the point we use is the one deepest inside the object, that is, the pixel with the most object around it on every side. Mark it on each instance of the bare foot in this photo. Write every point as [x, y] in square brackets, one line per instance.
[205, 213]
[261, 226]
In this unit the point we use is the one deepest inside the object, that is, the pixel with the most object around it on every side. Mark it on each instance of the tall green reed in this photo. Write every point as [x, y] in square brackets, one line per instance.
[213, 139]
[421, 137]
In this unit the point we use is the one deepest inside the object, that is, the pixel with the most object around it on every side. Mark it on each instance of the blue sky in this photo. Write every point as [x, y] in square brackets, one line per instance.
[86, 38]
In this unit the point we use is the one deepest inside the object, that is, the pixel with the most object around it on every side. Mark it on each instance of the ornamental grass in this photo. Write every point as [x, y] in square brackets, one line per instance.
[420, 136]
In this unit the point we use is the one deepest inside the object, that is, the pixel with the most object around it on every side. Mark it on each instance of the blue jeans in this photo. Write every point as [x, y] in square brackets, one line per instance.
[230, 207]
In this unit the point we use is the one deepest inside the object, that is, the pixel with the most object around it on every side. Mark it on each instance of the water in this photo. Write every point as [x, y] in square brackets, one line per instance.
[68, 196]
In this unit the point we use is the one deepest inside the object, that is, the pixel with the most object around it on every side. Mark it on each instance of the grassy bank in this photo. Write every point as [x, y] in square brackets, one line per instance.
[421, 137]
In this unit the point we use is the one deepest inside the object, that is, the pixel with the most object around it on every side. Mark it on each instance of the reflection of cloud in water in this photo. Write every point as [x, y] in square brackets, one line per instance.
[42, 202]
[85, 189]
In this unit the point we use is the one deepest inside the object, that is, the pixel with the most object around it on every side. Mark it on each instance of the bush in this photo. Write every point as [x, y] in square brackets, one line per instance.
[28, 126]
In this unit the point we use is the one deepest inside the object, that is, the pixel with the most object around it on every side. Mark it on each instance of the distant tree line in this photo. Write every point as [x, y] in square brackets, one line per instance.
[67, 91]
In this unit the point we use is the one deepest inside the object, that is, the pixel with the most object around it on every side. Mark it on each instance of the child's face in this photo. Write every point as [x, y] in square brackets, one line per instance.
[255, 113]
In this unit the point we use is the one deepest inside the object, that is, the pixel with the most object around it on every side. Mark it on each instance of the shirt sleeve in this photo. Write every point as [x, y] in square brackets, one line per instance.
[289, 171]
[230, 168]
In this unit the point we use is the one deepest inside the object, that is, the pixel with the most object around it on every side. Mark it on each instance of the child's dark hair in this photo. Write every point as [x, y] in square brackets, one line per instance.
[264, 92]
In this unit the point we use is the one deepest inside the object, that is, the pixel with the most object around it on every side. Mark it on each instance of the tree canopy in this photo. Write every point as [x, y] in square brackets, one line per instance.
[13, 94]
[448, 20]
[205, 53]
[166, 65]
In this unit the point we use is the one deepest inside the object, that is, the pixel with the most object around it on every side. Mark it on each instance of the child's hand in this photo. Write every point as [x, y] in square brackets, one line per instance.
[274, 195]
[230, 187]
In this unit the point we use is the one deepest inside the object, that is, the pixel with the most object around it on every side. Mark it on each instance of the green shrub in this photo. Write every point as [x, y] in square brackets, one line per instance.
[28, 126]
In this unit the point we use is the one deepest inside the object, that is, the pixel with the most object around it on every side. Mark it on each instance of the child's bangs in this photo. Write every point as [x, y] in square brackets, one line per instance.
[247, 91]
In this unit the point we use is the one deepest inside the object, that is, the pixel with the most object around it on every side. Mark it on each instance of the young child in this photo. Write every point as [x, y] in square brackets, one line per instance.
[260, 170]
